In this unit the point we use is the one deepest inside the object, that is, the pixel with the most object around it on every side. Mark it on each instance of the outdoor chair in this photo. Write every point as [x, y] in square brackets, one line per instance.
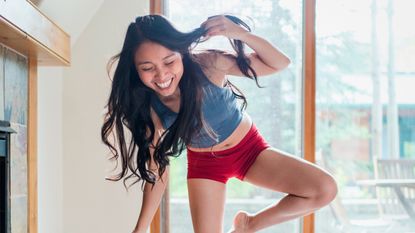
[344, 223]
[389, 203]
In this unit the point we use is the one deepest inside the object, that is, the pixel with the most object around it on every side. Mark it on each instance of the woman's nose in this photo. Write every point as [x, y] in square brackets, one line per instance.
[161, 72]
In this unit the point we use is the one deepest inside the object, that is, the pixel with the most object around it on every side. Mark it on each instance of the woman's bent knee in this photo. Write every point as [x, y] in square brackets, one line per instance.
[326, 191]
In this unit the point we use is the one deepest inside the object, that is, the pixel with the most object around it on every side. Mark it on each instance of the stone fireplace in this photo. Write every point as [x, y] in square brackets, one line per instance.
[13, 141]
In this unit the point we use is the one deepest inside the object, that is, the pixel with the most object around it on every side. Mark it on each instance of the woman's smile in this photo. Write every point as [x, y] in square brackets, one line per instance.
[165, 85]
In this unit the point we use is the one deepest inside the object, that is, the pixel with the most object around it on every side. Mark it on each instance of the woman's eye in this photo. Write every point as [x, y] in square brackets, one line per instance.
[170, 62]
[147, 69]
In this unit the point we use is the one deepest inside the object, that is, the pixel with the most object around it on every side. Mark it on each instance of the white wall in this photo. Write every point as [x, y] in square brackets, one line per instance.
[63, 12]
[73, 194]
[50, 176]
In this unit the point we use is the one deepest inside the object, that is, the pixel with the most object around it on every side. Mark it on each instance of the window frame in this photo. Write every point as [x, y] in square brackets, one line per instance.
[160, 222]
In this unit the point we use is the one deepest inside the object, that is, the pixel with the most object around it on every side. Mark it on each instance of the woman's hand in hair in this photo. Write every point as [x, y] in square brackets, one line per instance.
[221, 25]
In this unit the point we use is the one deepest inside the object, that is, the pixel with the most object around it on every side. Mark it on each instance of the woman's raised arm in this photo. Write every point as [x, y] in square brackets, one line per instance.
[266, 58]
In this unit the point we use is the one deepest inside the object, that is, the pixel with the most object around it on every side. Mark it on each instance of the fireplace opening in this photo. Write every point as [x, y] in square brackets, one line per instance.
[5, 132]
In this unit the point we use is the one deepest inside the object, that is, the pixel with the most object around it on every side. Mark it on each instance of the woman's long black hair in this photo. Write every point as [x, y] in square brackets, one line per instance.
[129, 101]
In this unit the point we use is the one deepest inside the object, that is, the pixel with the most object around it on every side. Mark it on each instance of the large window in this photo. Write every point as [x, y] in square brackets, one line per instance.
[275, 109]
[365, 108]
[365, 119]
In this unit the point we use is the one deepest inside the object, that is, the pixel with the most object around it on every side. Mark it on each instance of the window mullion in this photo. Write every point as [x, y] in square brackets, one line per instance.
[309, 93]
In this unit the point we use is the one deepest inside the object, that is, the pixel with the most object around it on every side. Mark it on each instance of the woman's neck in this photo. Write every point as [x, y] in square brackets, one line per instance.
[173, 97]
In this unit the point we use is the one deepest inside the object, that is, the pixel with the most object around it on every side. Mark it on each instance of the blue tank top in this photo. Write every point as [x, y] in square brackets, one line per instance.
[219, 108]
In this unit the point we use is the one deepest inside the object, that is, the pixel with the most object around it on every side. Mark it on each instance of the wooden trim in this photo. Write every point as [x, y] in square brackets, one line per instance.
[160, 222]
[156, 7]
[24, 28]
[155, 223]
[32, 148]
[309, 85]
[165, 210]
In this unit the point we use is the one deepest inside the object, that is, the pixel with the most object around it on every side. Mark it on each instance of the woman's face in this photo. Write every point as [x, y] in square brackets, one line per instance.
[159, 68]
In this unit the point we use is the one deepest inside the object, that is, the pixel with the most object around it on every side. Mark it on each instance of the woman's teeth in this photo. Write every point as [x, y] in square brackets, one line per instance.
[165, 84]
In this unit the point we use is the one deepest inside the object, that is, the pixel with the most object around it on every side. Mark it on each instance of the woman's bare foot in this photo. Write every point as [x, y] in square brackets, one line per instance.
[241, 223]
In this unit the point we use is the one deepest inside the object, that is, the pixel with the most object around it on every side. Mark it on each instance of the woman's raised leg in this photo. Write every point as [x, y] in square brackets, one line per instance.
[308, 187]
[207, 204]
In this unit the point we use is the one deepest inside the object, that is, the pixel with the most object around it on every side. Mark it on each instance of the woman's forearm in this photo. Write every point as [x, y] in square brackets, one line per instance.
[150, 203]
[269, 54]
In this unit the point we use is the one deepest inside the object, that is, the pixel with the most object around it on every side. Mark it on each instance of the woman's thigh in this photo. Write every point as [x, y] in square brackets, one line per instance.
[279, 171]
[207, 200]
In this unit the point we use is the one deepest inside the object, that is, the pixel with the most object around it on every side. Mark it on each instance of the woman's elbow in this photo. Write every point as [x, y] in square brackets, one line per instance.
[285, 62]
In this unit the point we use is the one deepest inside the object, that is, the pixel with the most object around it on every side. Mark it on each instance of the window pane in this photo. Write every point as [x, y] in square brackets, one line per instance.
[366, 113]
[274, 109]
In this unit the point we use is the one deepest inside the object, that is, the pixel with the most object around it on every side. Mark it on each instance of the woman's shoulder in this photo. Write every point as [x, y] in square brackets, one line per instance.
[215, 64]
[215, 60]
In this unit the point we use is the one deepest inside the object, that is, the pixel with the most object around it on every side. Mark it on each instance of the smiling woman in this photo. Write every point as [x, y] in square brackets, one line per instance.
[158, 69]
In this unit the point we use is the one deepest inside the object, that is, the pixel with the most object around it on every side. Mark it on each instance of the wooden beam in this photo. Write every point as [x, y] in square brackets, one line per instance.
[32, 148]
[25, 29]
[309, 85]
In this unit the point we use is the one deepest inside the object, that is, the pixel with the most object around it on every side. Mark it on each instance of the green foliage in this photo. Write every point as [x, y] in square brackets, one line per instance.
[350, 56]
[343, 126]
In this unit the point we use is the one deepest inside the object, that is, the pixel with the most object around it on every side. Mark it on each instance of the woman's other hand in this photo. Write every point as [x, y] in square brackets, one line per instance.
[221, 25]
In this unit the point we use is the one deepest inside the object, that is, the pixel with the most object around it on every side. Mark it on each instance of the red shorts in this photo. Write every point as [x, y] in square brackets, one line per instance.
[224, 164]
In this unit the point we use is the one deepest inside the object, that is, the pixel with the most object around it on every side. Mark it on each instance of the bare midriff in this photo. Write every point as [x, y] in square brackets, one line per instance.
[231, 141]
